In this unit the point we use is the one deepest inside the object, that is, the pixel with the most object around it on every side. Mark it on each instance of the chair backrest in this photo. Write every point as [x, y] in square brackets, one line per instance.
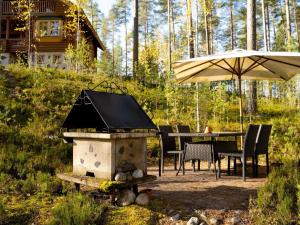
[250, 140]
[183, 140]
[167, 143]
[262, 141]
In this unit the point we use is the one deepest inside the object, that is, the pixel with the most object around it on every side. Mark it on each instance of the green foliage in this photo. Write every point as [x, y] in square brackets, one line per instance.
[277, 201]
[77, 209]
[79, 58]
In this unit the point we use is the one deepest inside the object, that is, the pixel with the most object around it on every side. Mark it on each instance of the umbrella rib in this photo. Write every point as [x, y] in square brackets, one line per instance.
[275, 60]
[261, 64]
[198, 71]
[195, 66]
[232, 69]
[252, 66]
[222, 67]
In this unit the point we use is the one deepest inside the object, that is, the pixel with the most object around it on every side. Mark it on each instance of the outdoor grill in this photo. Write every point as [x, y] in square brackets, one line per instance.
[109, 132]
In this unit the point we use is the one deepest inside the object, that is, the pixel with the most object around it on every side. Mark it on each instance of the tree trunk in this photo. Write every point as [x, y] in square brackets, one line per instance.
[126, 44]
[288, 24]
[296, 22]
[211, 32]
[268, 27]
[264, 25]
[207, 35]
[231, 25]
[173, 25]
[190, 29]
[169, 38]
[135, 37]
[113, 47]
[196, 30]
[146, 25]
[251, 94]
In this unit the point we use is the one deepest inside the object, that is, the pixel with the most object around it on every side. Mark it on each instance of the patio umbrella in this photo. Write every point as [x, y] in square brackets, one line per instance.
[238, 64]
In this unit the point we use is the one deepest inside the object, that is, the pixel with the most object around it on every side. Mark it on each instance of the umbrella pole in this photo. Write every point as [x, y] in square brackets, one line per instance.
[241, 106]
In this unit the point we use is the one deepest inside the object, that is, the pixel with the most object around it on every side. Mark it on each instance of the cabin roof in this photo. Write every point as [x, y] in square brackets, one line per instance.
[90, 26]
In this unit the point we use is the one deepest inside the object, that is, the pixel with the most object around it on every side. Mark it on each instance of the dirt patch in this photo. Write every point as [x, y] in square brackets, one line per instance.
[199, 191]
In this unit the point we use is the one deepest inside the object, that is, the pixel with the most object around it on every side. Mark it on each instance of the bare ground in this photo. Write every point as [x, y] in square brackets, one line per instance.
[199, 191]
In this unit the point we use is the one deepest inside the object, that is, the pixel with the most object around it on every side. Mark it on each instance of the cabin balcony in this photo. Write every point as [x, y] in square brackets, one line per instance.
[7, 8]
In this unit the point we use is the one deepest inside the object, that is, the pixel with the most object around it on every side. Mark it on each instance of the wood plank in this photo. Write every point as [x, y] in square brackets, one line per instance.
[98, 183]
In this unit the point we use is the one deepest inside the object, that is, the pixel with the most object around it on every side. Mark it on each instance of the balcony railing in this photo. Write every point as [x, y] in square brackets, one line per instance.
[7, 8]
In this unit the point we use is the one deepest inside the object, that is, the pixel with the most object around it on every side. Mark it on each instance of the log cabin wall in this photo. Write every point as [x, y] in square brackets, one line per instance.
[44, 13]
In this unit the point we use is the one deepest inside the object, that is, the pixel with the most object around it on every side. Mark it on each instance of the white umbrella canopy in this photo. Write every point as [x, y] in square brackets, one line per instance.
[238, 64]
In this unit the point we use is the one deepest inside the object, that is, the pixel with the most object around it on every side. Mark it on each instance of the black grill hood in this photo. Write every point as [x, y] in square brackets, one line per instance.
[107, 112]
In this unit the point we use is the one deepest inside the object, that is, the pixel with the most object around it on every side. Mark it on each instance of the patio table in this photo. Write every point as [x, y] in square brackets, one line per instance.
[212, 135]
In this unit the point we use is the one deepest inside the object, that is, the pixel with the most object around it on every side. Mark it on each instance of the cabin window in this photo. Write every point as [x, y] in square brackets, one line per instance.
[3, 29]
[57, 59]
[49, 28]
[40, 59]
[14, 33]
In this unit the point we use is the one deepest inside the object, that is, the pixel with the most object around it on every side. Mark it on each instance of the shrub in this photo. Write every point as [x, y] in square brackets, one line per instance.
[277, 199]
[77, 209]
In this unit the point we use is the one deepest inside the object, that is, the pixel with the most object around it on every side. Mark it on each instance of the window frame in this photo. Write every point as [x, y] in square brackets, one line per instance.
[50, 29]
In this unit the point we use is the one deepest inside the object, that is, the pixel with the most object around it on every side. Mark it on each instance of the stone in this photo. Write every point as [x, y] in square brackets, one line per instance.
[125, 197]
[193, 221]
[213, 221]
[120, 176]
[142, 199]
[129, 176]
[203, 223]
[235, 220]
[138, 173]
[175, 217]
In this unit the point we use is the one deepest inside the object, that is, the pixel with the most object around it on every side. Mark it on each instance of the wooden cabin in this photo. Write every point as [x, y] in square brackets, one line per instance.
[49, 36]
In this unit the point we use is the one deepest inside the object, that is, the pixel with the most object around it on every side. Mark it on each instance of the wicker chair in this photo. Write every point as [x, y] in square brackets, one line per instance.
[183, 140]
[168, 145]
[262, 145]
[198, 151]
[248, 150]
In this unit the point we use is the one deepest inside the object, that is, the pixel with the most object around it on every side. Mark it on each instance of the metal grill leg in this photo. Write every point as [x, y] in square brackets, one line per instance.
[267, 161]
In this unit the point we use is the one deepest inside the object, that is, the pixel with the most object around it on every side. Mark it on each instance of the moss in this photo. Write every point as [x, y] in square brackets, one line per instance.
[106, 185]
[131, 215]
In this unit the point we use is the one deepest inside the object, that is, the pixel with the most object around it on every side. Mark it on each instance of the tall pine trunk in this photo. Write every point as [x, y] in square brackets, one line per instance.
[296, 22]
[231, 25]
[251, 93]
[288, 24]
[207, 34]
[169, 38]
[264, 25]
[126, 43]
[135, 38]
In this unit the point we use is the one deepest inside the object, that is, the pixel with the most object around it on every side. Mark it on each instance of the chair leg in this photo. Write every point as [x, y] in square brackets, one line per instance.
[219, 167]
[253, 167]
[181, 164]
[209, 166]
[175, 163]
[228, 166]
[194, 167]
[198, 165]
[244, 168]
[256, 165]
[162, 163]
[234, 166]
[267, 161]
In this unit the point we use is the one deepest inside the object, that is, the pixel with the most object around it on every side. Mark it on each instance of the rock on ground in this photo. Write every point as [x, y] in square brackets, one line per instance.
[235, 220]
[142, 199]
[120, 176]
[175, 217]
[138, 173]
[193, 221]
[125, 197]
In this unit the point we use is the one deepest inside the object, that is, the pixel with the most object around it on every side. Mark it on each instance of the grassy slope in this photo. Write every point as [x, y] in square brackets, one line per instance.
[33, 105]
